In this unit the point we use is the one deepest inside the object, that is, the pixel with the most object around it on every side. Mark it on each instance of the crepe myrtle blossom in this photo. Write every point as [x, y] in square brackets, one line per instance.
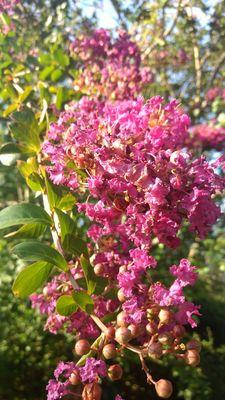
[62, 384]
[128, 162]
[7, 6]
[151, 319]
[109, 68]
[206, 137]
[129, 155]
[215, 92]
[76, 322]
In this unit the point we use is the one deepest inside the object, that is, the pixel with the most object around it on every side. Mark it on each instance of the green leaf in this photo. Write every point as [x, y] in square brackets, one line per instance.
[66, 202]
[54, 193]
[66, 305]
[11, 108]
[75, 245]
[61, 57]
[46, 72]
[95, 284]
[33, 250]
[25, 129]
[23, 96]
[31, 278]
[28, 231]
[56, 75]
[11, 91]
[67, 224]
[26, 168]
[35, 182]
[9, 148]
[84, 301]
[110, 317]
[101, 283]
[20, 214]
[89, 274]
[58, 198]
[29, 170]
[59, 98]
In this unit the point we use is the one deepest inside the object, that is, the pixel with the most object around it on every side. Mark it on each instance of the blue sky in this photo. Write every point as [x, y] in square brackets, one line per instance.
[105, 12]
[108, 18]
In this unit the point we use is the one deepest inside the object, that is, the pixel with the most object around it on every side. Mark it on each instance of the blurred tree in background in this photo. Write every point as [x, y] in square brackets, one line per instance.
[183, 44]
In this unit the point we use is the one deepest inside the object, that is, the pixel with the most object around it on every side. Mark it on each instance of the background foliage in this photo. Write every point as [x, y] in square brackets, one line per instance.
[184, 49]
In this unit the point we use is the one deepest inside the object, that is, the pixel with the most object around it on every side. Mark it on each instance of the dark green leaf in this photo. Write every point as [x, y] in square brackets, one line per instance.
[59, 98]
[31, 278]
[67, 224]
[9, 148]
[54, 193]
[75, 245]
[20, 214]
[28, 231]
[33, 250]
[89, 274]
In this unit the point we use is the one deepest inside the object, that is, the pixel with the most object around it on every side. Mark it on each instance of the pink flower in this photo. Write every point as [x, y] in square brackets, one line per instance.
[92, 370]
[185, 272]
[186, 313]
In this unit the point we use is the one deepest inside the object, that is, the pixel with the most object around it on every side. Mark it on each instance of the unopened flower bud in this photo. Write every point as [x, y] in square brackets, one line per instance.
[74, 378]
[121, 296]
[155, 350]
[152, 312]
[151, 328]
[122, 269]
[136, 330]
[45, 291]
[110, 333]
[194, 345]
[82, 347]
[99, 269]
[165, 316]
[192, 358]
[165, 338]
[164, 388]
[123, 335]
[121, 319]
[178, 331]
[115, 372]
[109, 351]
[92, 391]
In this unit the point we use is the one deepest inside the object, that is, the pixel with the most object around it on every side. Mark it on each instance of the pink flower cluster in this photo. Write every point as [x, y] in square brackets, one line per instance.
[215, 92]
[77, 322]
[61, 385]
[206, 137]
[129, 156]
[8, 6]
[109, 68]
[129, 163]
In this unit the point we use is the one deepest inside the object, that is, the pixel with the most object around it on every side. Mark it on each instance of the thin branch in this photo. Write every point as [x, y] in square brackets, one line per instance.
[167, 31]
[196, 53]
[219, 64]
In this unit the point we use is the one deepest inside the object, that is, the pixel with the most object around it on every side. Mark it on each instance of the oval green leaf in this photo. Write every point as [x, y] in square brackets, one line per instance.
[84, 301]
[33, 250]
[31, 278]
[66, 305]
[20, 214]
